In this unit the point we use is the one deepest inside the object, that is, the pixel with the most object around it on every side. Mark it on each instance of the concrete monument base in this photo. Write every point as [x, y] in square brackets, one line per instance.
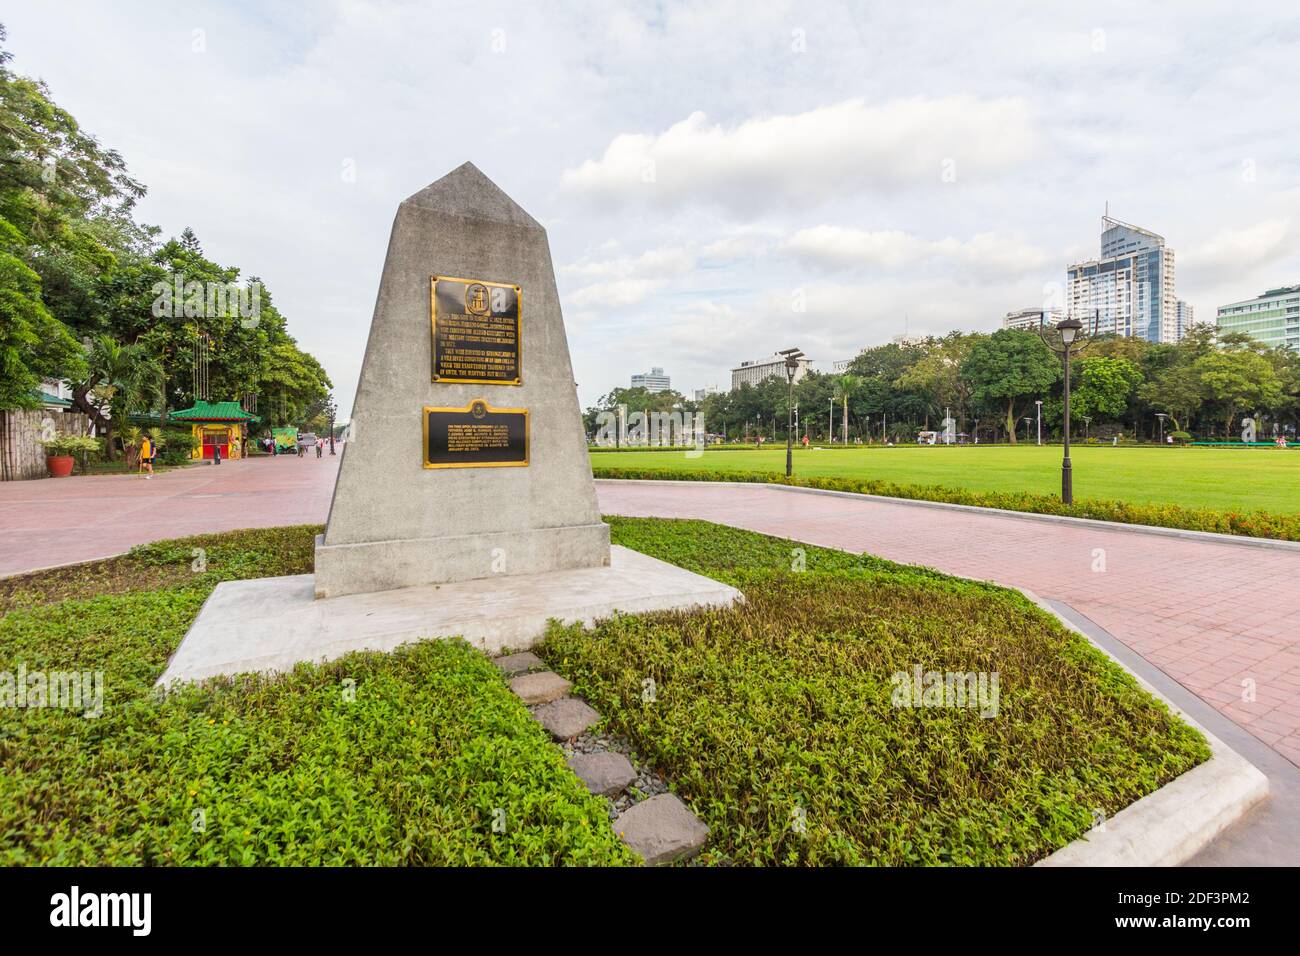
[383, 565]
[271, 624]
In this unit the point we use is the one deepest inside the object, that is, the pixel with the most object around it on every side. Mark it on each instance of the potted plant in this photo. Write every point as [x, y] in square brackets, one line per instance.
[60, 449]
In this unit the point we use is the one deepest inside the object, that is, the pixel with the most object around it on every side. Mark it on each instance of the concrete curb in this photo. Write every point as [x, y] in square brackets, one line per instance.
[1170, 826]
[1205, 537]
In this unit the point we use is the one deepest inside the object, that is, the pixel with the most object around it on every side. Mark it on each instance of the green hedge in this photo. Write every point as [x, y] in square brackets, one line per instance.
[1253, 524]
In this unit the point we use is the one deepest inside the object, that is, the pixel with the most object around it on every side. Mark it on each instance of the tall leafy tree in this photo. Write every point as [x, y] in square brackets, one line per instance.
[1009, 368]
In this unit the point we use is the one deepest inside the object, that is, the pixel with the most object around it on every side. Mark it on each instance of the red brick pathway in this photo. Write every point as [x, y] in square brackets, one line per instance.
[1213, 616]
[61, 520]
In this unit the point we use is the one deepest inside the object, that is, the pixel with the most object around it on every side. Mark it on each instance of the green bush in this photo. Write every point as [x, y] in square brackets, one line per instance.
[1181, 437]
[175, 446]
[71, 445]
[1255, 524]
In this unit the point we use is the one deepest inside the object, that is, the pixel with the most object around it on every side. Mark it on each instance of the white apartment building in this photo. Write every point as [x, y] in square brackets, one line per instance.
[1029, 319]
[751, 373]
[1129, 289]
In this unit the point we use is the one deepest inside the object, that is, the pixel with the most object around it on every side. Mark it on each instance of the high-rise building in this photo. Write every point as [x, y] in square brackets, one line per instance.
[1129, 288]
[1272, 318]
[1186, 317]
[1030, 319]
[652, 381]
[751, 373]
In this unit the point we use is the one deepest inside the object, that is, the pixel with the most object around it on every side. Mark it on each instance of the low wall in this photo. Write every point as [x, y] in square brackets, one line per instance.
[21, 455]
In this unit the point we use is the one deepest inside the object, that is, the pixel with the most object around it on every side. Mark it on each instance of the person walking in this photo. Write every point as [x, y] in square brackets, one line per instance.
[216, 454]
[320, 447]
[146, 457]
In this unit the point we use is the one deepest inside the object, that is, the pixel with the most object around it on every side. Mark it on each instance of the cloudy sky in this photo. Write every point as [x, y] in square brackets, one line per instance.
[718, 180]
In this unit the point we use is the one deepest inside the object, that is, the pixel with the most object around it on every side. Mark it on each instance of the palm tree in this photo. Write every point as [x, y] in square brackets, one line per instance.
[845, 388]
[124, 378]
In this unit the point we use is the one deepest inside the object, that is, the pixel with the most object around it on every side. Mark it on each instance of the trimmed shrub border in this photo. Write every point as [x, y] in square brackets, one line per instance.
[1260, 528]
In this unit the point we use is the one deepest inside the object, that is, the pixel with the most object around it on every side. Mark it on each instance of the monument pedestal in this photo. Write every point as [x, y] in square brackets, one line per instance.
[380, 565]
[270, 624]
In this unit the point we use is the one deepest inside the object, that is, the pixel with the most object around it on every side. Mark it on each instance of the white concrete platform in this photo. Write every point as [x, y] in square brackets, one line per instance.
[271, 624]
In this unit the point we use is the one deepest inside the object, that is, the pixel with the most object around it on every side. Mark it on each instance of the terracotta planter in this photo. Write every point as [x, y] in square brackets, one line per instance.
[60, 466]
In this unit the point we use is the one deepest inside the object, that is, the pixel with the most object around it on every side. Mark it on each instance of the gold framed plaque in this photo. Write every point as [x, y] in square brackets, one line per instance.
[476, 436]
[476, 331]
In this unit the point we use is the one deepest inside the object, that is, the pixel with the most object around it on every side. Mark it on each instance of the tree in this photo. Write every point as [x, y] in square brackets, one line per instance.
[1177, 391]
[1105, 386]
[1238, 381]
[937, 375]
[33, 344]
[124, 379]
[1008, 366]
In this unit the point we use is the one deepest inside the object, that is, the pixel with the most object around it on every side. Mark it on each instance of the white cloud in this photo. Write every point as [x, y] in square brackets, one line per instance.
[1237, 250]
[839, 247]
[614, 293]
[810, 157]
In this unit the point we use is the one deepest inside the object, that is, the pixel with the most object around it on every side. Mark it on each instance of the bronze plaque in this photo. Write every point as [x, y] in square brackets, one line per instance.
[476, 436]
[475, 331]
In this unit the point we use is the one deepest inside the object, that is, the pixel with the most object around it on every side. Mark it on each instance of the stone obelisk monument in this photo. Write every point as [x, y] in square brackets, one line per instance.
[467, 457]
[464, 505]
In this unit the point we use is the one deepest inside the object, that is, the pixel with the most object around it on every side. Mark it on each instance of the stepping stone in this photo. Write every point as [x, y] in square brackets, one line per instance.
[565, 719]
[605, 774]
[540, 688]
[661, 830]
[512, 665]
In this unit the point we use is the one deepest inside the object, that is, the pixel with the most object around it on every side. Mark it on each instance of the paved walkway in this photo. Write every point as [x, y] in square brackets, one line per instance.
[62, 520]
[1215, 617]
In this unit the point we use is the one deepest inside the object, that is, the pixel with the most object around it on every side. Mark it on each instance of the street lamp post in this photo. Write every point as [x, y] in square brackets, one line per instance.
[792, 357]
[1067, 331]
[1039, 403]
[333, 411]
[1028, 421]
[1162, 416]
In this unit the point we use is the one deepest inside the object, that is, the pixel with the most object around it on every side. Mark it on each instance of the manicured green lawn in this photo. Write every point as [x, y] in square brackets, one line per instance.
[373, 759]
[1263, 479]
[777, 722]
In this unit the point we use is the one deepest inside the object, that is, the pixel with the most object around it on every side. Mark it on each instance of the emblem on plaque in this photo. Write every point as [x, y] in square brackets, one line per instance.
[476, 331]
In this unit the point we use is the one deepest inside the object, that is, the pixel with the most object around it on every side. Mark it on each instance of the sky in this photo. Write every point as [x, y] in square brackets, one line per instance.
[718, 180]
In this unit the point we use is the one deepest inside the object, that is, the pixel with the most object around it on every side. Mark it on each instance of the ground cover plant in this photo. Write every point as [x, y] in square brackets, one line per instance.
[1240, 480]
[776, 720]
[407, 758]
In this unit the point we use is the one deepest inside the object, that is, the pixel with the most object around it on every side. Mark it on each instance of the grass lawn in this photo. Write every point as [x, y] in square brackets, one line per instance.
[1264, 479]
[778, 716]
[373, 759]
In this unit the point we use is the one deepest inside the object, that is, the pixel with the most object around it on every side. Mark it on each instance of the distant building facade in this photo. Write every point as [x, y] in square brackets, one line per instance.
[1186, 317]
[1129, 289]
[751, 373]
[1272, 319]
[1029, 319]
[652, 381]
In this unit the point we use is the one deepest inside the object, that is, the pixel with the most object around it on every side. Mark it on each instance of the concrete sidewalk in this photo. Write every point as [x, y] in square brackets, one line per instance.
[1219, 618]
[64, 520]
